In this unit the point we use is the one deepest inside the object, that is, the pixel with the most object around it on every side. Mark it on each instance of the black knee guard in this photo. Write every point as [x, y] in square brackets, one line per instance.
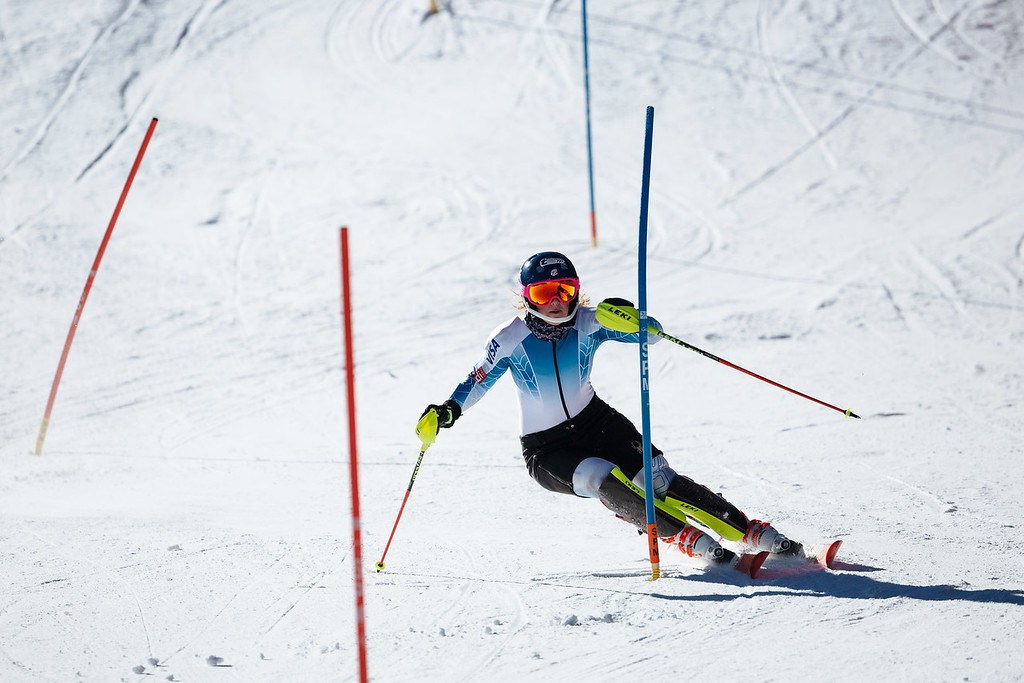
[708, 508]
[626, 499]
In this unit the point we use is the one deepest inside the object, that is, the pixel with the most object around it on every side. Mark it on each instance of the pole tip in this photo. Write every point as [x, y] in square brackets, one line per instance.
[379, 566]
[850, 413]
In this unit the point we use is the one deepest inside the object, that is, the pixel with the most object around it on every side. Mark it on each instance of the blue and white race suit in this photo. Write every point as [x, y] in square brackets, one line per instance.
[552, 378]
[571, 438]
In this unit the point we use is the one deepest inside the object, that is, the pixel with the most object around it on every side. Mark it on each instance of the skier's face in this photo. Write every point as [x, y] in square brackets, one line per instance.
[556, 308]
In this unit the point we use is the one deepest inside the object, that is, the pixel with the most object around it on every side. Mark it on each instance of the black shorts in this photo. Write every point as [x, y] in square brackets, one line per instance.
[599, 431]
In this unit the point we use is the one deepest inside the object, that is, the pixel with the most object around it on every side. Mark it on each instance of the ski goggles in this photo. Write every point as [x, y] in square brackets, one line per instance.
[542, 293]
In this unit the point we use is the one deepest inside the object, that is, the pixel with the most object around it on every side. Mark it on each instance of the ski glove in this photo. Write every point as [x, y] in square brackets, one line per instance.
[617, 301]
[447, 413]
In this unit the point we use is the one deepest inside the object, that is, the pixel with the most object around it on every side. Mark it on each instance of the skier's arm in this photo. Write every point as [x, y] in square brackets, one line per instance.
[492, 365]
[477, 383]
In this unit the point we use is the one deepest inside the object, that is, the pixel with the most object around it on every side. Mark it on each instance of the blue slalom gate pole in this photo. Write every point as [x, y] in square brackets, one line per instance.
[645, 389]
[590, 153]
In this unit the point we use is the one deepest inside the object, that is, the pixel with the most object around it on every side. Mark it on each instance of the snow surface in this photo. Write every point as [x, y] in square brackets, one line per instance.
[836, 204]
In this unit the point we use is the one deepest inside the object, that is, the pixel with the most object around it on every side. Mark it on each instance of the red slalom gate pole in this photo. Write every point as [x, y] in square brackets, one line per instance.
[88, 286]
[350, 381]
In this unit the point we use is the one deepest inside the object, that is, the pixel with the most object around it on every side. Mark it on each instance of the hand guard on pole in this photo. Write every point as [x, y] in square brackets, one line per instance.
[437, 417]
[620, 303]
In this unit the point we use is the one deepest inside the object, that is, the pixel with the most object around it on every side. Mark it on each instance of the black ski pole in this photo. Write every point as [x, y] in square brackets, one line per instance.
[426, 430]
[626, 319]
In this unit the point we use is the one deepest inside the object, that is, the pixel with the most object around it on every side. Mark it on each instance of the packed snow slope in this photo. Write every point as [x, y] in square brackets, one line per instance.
[836, 204]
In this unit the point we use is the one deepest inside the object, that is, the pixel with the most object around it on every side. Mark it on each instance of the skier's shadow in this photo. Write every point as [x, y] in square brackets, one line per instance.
[854, 584]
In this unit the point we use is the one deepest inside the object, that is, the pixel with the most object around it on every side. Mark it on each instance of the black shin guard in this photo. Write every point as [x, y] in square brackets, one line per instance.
[629, 504]
[703, 498]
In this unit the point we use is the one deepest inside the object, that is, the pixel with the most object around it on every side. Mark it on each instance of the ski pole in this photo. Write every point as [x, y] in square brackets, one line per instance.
[625, 319]
[426, 430]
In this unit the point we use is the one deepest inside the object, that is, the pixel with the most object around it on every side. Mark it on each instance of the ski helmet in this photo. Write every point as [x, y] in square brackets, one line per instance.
[545, 266]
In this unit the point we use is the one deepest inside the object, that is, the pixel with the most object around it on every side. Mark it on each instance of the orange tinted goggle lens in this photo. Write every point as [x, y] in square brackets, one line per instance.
[541, 293]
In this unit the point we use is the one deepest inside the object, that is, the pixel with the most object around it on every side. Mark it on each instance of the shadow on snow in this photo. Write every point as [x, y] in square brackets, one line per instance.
[795, 580]
[811, 580]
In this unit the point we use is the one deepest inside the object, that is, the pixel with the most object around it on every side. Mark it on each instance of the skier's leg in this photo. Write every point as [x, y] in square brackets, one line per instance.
[552, 468]
[628, 502]
[718, 514]
[707, 507]
[589, 475]
[661, 476]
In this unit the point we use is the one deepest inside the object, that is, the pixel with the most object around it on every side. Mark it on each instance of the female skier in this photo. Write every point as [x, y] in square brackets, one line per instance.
[575, 443]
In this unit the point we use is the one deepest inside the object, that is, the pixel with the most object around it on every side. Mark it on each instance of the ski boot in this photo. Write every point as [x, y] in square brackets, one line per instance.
[763, 536]
[693, 542]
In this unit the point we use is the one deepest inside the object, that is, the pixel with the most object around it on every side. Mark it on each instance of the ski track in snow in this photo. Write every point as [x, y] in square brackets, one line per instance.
[118, 580]
[934, 13]
[246, 235]
[927, 41]
[509, 628]
[72, 84]
[764, 45]
[944, 17]
[874, 92]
